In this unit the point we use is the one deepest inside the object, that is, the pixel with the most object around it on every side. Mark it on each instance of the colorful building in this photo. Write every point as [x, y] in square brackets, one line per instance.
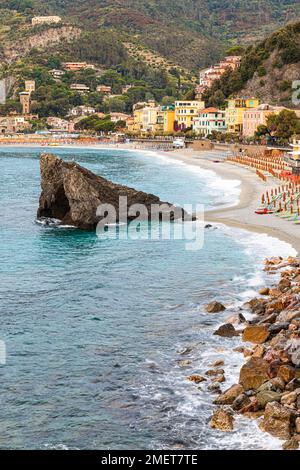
[146, 117]
[25, 100]
[185, 113]
[209, 120]
[30, 86]
[37, 20]
[77, 66]
[234, 114]
[253, 118]
[80, 88]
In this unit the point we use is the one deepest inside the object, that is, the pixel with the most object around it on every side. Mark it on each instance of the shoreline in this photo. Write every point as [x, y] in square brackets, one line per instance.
[240, 215]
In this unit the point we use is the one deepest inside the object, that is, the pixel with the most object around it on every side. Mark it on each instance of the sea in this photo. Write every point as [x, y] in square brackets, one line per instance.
[94, 329]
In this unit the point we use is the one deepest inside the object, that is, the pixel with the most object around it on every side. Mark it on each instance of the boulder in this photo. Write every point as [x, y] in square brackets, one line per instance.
[218, 363]
[297, 425]
[226, 331]
[214, 388]
[264, 291]
[72, 194]
[219, 379]
[257, 306]
[291, 444]
[215, 307]
[214, 372]
[284, 284]
[257, 334]
[277, 327]
[241, 401]
[289, 398]
[228, 397]
[254, 373]
[184, 363]
[222, 419]
[287, 316]
[277, 421]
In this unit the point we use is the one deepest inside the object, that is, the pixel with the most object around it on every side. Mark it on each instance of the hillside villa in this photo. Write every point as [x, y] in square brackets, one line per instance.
[185, 112]
[77, 66]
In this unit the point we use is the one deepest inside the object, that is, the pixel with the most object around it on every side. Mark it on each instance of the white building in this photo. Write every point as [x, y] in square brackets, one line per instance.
[209, 120]
[80, 88]
[82, 111]
[37, 20]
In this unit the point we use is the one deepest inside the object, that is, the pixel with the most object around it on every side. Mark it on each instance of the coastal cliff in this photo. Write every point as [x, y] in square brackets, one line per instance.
[269, 382]
[72, 194]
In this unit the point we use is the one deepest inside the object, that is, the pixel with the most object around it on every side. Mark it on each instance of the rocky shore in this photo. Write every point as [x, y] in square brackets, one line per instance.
[73, 195]
[269, 382]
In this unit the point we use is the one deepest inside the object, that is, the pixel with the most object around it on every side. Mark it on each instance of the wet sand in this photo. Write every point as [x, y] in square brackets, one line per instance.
[242, 215]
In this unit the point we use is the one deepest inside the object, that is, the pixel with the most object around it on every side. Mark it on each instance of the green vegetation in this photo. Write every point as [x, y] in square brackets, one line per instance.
[284, 44]
[95, 124]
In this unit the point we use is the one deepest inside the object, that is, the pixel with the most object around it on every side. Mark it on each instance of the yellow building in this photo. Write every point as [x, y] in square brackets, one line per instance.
[234, 114]
[146, 117]
[185, 112]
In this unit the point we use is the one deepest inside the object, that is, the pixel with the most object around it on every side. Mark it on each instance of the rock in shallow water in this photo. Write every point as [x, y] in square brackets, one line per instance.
[278, 420]
[215, 307]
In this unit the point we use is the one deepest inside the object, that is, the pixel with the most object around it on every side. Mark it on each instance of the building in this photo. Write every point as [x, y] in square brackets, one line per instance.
[104, 89]
[80, 111]
[234, 114]
[293, 157]
[77, 66]
[80, 88]
[185, 112]
[30, 86]
[60, 125]
[208, 76]
[145, 117]
[168, 118]
[126, 88]
[253, 118]
[208, 121]
[57, 74]
[5, 87]
[37, 20]
[115, 117]
[25, 100]
[14, 123]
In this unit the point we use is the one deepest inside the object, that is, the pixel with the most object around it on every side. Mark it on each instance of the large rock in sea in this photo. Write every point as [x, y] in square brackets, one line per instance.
[278, 420]
[254, 373]
[72, 194]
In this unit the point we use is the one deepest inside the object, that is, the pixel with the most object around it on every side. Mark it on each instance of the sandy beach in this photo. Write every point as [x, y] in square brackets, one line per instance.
[242, 215]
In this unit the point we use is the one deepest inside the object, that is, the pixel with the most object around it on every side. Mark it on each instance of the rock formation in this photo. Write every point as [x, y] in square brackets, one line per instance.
[72, 194]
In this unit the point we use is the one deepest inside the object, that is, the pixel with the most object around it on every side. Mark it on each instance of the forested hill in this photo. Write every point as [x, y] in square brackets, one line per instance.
[193, 33]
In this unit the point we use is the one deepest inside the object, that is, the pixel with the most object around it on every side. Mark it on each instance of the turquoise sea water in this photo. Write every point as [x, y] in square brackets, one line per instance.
[94, 328]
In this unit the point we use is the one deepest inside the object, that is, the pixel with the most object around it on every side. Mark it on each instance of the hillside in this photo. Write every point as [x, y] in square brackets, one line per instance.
[267, 71]
[193, 33]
